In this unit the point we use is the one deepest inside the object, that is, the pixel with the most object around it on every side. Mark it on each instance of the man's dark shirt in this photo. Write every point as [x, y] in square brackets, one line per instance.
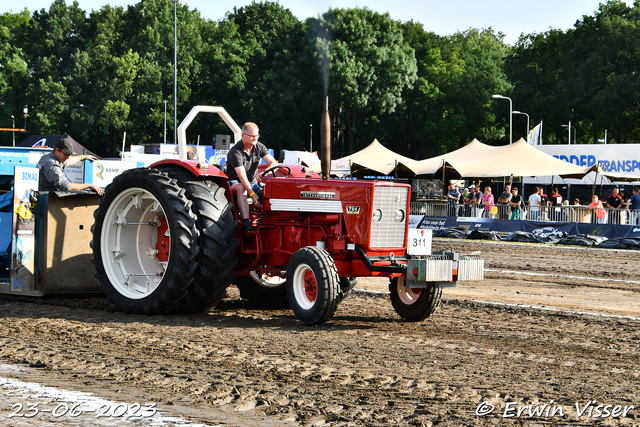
[556, 200]
[614, 201]
[238, 157]
[454, 193]
[52, 176]
[505, 196]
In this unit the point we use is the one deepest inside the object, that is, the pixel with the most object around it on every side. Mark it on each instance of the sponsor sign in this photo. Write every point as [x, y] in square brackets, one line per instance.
[23, 241]
[612, 158]
[104, 171]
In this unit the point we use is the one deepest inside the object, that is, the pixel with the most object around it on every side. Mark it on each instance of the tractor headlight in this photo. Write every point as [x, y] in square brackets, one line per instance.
[399, 215]
[377, 215]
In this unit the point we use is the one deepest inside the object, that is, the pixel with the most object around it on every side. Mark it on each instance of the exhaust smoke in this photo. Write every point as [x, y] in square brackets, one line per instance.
[325, 140]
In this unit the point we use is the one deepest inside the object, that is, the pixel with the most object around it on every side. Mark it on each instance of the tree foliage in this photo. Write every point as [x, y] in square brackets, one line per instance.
[98, 75]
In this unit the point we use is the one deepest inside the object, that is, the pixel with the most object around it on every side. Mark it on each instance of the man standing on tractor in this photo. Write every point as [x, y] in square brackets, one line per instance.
[52, 166]
[242, 169]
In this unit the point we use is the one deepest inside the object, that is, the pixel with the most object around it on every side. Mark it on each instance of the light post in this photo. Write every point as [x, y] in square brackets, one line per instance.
[510, 115]
[520, 112]
[165, 122]
[13, 126]
[25, 114]
[175, 70]
[311, 137]
[575, 132]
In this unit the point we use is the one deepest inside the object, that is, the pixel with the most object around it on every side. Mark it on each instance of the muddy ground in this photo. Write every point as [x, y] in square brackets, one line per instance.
[557, 345]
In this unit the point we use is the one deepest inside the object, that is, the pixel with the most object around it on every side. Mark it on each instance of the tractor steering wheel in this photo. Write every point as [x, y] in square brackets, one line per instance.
[274, 169]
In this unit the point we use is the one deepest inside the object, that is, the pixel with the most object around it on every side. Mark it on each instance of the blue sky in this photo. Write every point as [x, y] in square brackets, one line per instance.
[444, 17]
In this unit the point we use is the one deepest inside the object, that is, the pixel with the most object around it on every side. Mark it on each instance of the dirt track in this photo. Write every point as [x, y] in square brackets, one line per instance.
[242, 365]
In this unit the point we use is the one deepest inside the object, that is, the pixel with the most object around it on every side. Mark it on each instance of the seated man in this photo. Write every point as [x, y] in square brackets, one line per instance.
[242, 169]
[52, 166]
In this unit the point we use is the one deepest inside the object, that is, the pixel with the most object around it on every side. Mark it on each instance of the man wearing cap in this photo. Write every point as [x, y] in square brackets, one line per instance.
[470, 200]
[52, 166]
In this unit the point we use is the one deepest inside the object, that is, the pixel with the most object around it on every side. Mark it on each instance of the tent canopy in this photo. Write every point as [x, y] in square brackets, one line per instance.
[375, 157]
[518, 159]
[51, 140]
[434, 165]
[478, 160]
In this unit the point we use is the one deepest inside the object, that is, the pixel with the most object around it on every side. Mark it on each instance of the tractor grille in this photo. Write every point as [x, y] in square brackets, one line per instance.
[388, 233]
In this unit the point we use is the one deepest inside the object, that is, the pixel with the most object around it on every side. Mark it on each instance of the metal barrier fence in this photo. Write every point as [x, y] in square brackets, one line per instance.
[573, 213]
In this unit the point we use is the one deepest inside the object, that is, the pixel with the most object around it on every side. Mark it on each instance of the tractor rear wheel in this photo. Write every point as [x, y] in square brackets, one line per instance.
[414, 304]
[217, 241]
[268, 291]
[313, 285]
[144, 242]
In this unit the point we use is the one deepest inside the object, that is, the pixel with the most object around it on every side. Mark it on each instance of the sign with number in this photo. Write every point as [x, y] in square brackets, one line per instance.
[419, 241]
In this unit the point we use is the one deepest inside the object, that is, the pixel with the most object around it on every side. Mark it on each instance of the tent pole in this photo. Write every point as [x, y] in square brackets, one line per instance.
[444, 184]
[601, 182]
[595, 181]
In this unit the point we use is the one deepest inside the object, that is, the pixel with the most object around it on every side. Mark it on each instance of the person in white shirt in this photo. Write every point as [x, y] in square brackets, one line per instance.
[534, 204]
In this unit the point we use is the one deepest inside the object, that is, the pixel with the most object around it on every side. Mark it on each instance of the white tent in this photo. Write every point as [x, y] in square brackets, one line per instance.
[375, 157]
[518, 159]
[434, 165]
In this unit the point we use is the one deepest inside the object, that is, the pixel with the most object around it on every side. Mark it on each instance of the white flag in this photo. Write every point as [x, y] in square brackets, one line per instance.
[534, 137]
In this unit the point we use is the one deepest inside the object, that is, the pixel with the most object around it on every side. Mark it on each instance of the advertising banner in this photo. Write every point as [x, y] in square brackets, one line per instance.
[23, 238]
[612, 157]
[538, 228]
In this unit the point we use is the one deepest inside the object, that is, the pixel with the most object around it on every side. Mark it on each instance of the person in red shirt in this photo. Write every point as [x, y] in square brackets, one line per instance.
[556, 201]
[614, 201]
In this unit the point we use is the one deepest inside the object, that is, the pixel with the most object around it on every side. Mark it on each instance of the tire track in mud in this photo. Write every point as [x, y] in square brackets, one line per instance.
[365, 367]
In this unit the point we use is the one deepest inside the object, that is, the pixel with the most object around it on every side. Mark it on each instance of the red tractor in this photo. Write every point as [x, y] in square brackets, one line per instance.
[167, 239]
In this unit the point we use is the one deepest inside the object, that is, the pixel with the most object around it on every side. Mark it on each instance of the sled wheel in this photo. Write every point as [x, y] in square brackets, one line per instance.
[268, 291]
[144, 242]
[414, 304]
[313, 285]
[217, 241]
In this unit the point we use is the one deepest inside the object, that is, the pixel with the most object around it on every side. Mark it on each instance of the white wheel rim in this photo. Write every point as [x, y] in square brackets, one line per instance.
[128, 243]
[302, 289]
[267, 281]
[408, 296]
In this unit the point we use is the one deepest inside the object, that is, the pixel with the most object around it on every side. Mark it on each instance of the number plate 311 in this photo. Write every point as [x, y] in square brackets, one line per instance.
[419, 241]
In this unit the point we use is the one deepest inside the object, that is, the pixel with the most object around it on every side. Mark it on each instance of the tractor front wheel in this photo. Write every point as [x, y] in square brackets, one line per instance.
[313, 285]
[414, 304]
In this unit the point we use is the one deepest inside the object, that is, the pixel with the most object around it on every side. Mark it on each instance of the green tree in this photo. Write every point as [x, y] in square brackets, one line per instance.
[255, 68]
[13, 72]
[112, 73]
[604, 58]
[54, 46]
[370, 63]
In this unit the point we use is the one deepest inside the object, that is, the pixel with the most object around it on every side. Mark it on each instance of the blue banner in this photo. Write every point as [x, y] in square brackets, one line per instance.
[538, 228]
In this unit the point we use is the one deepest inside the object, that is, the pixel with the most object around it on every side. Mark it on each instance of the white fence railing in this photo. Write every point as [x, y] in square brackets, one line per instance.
[573, 213]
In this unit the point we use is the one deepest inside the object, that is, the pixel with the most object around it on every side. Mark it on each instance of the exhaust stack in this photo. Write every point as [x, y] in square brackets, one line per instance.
[325, 140]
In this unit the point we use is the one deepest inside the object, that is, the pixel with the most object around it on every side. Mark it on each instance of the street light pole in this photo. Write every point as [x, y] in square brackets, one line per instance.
[311, 137]
[13, 126]
[575, 132]
[165, 122]
[510, 115]
[520, 112]
[175, 70]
